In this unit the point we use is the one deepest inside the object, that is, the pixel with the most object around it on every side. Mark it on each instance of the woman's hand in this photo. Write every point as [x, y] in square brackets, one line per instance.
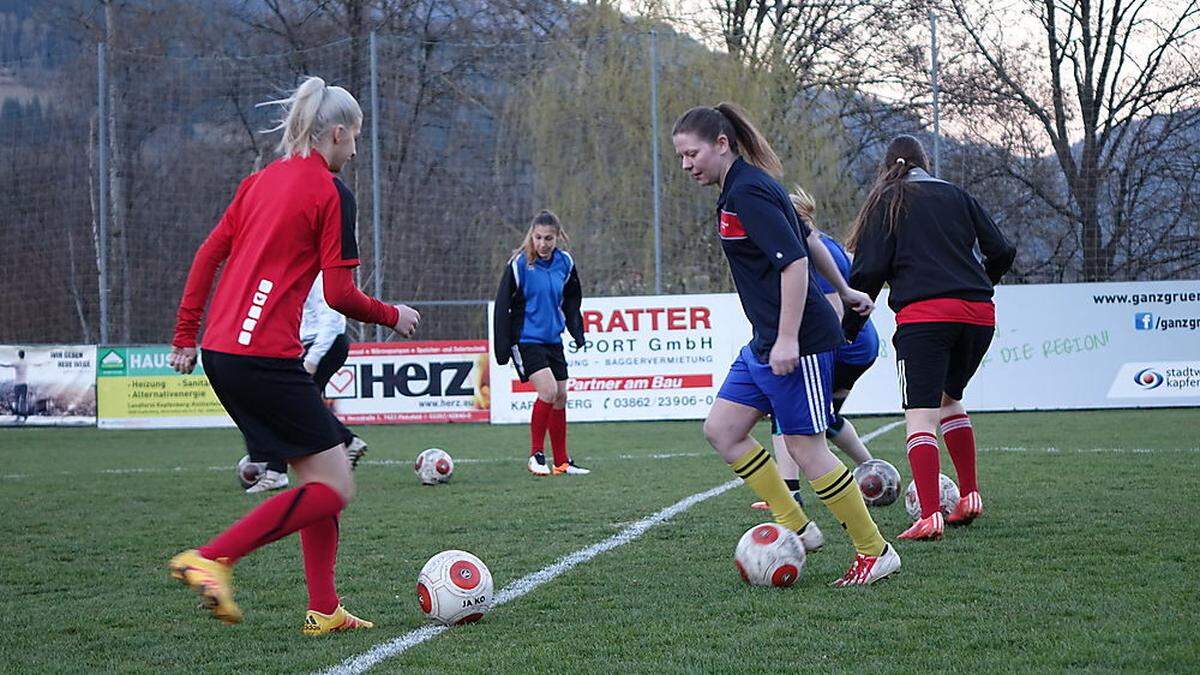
[182, 359]
[406, 325]
[785, 356]
[858, 301]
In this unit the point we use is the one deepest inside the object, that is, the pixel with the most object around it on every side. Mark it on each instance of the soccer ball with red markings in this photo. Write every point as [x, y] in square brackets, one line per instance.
[454, 588]
[949, 497]
[249, 472]
[769, 555]
[434, 466]
[879, 482]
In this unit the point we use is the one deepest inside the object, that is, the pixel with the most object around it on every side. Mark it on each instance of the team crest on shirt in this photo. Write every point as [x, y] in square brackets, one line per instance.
[731, 226]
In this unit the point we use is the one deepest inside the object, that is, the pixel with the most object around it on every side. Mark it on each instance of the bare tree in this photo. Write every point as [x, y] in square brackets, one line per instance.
[827, 64]
[1110, 87]
[821, 44]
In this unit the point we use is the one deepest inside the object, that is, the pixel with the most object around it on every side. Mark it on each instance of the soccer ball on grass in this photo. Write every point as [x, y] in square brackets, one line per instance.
[769, 555]
[454, 588]
[879, 482]
[434, 466]
[948, 493]
[249, 472]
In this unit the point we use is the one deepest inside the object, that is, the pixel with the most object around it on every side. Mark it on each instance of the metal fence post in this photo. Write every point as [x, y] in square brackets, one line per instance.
[376, 237]
[102, 198]
[654, 141]
[933, 84]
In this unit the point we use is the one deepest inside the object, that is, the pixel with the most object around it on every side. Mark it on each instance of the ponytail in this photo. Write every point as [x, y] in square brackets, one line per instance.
[732, 122]
[310, 111]
[903, 154]
[804, 204]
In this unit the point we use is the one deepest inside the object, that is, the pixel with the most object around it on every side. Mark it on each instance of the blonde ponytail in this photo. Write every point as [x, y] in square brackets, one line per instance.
[804, 204]
[311, 110]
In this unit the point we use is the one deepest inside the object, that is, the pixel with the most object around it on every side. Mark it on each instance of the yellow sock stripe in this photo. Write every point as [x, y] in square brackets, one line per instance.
[766, 457]
[754, 463]
[745, 460]
[840, 483]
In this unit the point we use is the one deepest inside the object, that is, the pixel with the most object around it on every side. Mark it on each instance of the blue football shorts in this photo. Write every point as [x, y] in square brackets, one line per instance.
[801, 402]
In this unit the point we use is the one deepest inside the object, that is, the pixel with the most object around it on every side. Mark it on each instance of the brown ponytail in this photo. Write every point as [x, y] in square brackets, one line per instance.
[904, 154]
[732, 122]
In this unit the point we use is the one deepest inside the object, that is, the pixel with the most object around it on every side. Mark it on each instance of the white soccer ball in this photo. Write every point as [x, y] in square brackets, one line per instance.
[454, 588]
[249, 472]
[434, 466]
[949, 497]
[878, 481]
[769, 555]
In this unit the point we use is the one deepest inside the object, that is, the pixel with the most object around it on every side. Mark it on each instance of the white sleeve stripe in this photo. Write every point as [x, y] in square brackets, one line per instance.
[516, 270]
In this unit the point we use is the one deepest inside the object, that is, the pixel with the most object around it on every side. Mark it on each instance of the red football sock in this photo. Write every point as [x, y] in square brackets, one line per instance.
[319, 543]
[924, 461]
[537, 426]
[274, 519]
[960, 443]
[558, 436]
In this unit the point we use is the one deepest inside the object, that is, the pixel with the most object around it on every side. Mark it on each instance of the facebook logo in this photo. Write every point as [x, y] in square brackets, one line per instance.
[1143, 321]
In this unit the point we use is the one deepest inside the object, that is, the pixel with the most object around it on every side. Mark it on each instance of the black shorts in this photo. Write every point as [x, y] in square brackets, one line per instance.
[530, 357]
[846, 374]
[275, 404]
[937, 358]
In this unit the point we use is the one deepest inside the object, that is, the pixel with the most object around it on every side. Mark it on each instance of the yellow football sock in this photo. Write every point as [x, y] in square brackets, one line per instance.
[840, 493]
[758, 469]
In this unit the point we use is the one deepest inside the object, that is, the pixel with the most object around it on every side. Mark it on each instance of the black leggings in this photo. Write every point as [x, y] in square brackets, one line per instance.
[333, 360]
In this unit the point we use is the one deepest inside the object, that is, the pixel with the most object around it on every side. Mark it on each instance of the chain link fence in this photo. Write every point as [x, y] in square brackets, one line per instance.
[102, 210]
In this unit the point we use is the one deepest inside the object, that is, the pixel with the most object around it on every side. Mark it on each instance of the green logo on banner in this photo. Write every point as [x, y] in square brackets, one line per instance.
[148, 361]
[113, 362]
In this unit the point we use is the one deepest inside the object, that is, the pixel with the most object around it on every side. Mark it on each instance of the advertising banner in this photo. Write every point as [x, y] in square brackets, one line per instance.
[646, 358]
[138, 390]
[397, 382]
[1070, 346]
[1057, 346]
[381, 383]
[47, 385]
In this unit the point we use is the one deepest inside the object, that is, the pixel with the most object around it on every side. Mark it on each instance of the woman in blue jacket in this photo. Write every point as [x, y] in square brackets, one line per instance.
[539, 297]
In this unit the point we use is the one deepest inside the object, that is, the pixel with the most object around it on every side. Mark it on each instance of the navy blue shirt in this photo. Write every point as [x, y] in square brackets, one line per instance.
[865, 347]
[542, 284]
[761, 236]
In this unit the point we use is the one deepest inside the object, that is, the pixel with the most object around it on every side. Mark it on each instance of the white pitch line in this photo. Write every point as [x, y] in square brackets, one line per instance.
[114, 472]
[397, 462]
[624, 457]
[522, 586]
[1089, 451]
[518, 588]
[872, 435]
[371, 462]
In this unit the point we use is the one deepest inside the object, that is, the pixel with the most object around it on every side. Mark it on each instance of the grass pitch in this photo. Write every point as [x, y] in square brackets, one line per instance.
[1084, 559]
